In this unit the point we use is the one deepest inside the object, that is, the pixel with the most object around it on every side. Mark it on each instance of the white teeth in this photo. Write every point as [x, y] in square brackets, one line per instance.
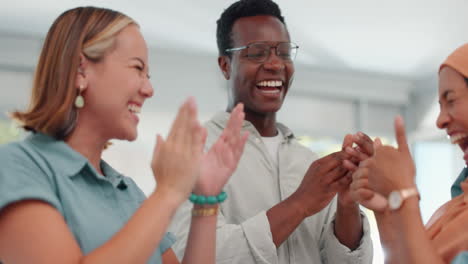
[270, 83]
[270, 91]
[455, 139]
[134, 108]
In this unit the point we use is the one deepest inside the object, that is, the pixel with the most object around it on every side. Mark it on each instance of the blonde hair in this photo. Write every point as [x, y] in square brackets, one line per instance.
[90, 31]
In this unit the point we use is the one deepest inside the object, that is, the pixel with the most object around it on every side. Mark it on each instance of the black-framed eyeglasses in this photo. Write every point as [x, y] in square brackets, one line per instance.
[260, 51]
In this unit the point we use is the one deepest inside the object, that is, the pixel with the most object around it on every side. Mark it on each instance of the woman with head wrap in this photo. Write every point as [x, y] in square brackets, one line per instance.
[390, 173]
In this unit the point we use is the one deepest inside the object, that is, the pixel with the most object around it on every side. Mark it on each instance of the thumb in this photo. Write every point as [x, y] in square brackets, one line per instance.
[377, 203]
[377, 144]
[400, 135]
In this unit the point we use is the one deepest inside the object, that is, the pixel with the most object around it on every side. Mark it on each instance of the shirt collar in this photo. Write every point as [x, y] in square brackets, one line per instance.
[221, 119]
[60, 157]
[66, 161]
[456, 187]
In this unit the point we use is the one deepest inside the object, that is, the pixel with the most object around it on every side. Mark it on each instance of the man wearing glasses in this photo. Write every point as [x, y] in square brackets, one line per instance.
[280, 208]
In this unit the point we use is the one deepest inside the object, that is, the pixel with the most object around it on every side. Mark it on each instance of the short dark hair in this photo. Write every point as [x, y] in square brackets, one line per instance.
[239, 9]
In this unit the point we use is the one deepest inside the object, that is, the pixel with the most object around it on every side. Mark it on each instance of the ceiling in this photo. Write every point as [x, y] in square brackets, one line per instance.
[407, 39]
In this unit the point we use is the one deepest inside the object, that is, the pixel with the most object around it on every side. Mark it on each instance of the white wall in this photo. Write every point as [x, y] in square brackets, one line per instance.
[178, 73]
[320, 103]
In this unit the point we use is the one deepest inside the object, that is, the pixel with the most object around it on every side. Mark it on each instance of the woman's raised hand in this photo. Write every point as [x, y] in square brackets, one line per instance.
[176, 160]
[218, 164]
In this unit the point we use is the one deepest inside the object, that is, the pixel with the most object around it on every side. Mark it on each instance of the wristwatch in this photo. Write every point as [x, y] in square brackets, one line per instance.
[396, 198]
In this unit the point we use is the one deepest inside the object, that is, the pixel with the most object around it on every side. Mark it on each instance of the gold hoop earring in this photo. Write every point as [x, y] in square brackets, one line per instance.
[79, 100]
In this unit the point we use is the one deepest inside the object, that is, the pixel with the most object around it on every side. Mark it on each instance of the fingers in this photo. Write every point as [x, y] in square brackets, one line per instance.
[236, 137]
[360, 190]
[361, 173]
[334, 167]
[400, 135]
[367, 163]
[157, 153]
[331, 161]
[176, 161]
[365, 143]
[191, 129]
[236, 119]
[229, 147]
[340, 184]
[335, 175]
[355, 152]
[179, 121]
[377, 203]
[346, 180]
[347, 141]
[362, 194]
[234, 125]
[157, 146]
[199, 135]
[349, 165]
[232, 135]
[363, 150]
[186, 132]
[242, 142]
[377, 143]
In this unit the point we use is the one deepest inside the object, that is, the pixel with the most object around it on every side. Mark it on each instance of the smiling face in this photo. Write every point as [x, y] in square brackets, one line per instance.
[261, 86]
[117, 87]
[453, 99]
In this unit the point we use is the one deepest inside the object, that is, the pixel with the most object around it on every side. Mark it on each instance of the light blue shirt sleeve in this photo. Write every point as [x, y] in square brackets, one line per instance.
[166, 243]
[461, 258]
[22, 178]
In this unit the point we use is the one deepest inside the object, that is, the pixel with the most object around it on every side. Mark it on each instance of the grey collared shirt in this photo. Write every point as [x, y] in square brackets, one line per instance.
[94, 207]
[243, 233]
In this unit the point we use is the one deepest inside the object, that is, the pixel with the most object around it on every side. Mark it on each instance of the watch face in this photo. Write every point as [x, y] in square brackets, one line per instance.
[394, 200]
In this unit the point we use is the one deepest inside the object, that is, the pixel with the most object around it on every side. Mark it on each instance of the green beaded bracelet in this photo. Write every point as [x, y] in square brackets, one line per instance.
[200, 199]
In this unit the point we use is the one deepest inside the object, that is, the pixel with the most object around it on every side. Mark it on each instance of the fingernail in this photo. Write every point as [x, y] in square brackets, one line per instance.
[349, 150]
[192, 101]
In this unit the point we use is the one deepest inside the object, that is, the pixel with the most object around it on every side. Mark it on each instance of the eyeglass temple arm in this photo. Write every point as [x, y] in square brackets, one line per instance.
[234, 49]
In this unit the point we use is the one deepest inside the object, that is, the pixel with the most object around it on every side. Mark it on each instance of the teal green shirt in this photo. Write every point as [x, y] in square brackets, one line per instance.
[456, 190]
[462, 258]
[94, 207]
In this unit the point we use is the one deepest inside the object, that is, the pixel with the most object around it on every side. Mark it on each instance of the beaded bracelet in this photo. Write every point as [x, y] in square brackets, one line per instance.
[200, 199]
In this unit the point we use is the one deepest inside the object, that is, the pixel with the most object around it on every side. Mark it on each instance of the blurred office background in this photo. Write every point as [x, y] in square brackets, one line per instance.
[360, 63]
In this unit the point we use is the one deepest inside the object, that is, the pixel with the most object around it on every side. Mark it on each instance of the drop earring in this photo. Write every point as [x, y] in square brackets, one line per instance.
[79, 100]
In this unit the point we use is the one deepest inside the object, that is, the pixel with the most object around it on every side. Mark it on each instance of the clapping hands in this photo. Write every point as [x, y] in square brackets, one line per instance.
[180, 164]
